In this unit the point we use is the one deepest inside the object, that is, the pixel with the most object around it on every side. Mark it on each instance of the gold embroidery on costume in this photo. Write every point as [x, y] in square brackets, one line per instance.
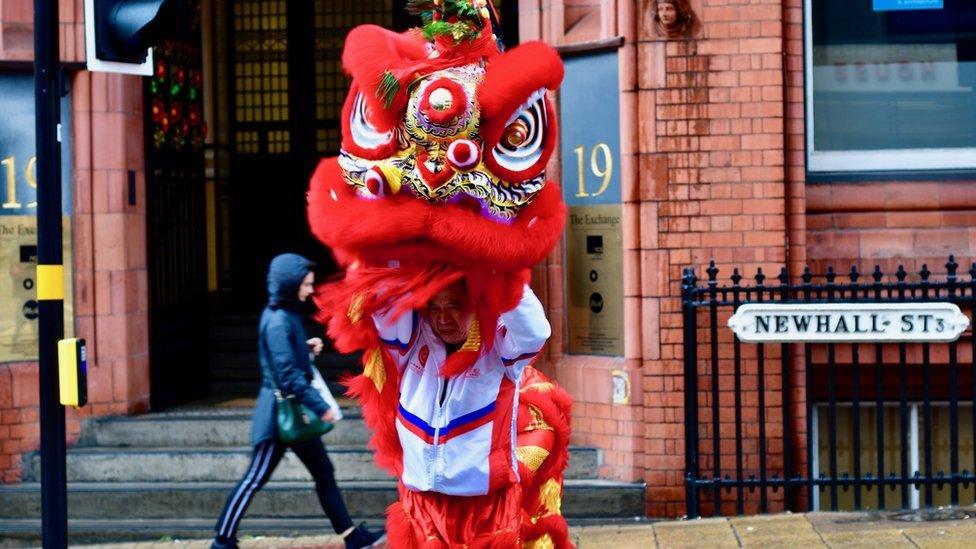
[541, 386]
[531, 456]
[374, 368]
[550, 496]
[473, 342]
[537, 423]
[355, 313]
[544, 542]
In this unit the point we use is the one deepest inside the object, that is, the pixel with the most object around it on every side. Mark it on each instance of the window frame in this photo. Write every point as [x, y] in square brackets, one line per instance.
[866, 164]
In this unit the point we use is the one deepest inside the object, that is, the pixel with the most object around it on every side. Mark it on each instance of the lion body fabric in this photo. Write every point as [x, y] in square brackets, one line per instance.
[441, 178]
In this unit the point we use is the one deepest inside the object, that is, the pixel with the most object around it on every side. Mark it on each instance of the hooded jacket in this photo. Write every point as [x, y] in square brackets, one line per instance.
[282, 347]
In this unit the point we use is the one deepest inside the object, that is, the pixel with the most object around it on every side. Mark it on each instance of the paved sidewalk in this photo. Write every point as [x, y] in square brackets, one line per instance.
[854, 530]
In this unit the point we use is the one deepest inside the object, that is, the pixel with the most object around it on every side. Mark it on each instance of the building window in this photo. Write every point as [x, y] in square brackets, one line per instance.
[890, 85]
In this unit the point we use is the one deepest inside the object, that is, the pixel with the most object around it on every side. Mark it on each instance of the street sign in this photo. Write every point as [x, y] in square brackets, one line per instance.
[848, 322]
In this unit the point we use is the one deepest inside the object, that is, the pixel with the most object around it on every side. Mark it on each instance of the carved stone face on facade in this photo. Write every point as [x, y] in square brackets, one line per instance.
[674, 18]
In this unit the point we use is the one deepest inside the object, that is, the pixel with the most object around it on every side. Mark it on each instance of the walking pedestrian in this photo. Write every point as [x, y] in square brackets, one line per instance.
[283, 349]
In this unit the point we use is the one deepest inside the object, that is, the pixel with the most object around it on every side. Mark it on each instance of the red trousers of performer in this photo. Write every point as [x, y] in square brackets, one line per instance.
[431, 520]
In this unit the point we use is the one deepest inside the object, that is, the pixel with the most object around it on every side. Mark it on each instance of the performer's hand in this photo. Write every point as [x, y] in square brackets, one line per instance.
[329, 416]
[315, 345]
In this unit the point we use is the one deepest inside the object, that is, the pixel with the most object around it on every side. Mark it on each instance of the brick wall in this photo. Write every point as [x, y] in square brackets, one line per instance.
[109, 255]
[616, 429]
[712, 174]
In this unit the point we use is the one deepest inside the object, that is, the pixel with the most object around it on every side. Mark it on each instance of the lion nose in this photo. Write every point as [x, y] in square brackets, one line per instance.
[463, 155]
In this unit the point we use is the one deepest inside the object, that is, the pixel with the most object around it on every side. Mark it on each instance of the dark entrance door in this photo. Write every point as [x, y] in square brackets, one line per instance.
[287, 89]
[176, 226]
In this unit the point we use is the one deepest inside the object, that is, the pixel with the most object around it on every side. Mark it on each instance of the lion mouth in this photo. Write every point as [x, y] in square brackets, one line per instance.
[497, 199]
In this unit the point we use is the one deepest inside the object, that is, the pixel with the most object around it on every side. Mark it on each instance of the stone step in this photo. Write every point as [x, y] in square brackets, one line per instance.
[233, 346]
[166, 500]
[200, 430]
[234, 331]
[235, 388]
[27, 532]
[187, 464]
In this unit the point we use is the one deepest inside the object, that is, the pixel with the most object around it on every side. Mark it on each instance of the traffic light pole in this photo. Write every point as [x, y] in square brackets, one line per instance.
[50, 272]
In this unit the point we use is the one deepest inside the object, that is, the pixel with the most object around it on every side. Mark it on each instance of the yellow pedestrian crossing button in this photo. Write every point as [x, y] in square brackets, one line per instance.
[73, 372]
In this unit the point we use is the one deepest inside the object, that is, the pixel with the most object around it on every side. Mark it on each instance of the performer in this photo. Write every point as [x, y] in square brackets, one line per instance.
[438, 207]
[458, 433]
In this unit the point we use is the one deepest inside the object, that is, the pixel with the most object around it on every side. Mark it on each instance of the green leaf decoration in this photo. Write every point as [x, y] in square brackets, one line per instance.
[388, 88]
[467, 24]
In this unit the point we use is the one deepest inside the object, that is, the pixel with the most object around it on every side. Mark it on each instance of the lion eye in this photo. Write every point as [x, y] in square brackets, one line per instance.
[515, 134]
[523, 140]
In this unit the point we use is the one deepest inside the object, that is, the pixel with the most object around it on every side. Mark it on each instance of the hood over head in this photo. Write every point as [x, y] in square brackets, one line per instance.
[285, 275]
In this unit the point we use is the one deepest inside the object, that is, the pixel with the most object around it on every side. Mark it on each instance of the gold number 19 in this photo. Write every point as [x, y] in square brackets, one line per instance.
[602, 169]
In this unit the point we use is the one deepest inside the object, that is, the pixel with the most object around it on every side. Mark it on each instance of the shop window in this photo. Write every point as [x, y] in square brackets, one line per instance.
[890, 85]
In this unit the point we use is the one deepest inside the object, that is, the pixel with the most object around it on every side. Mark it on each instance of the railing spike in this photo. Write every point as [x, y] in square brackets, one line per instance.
[951, 267]
[736, 277]
[925, 272]
[854, 275]
[877, 274]
[712, 272]
[901, 274]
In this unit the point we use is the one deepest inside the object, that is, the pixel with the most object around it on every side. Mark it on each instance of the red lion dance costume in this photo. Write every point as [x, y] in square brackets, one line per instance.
[441, 178]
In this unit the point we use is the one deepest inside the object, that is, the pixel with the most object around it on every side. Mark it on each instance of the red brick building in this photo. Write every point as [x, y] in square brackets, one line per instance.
[715, 162]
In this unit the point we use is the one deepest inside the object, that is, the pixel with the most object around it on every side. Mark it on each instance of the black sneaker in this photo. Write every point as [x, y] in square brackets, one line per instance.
[221, 542]
[361, 537]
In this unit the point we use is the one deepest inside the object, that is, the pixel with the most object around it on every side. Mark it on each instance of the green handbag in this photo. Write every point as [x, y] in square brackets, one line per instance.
[296, 423]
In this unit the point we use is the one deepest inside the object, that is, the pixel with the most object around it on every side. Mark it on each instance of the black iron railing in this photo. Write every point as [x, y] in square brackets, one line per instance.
[753, 411]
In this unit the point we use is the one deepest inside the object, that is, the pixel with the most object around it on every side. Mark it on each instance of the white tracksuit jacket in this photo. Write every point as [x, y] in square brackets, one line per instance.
[465, 446]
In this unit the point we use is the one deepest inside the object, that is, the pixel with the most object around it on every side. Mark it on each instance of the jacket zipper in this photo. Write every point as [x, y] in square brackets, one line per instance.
[442, 390]
[442, 387]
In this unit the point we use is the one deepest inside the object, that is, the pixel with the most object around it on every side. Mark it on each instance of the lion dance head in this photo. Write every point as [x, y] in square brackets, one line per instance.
[441, 172]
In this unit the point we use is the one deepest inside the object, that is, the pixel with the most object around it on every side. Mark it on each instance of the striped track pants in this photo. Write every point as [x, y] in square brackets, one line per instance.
[267, 456]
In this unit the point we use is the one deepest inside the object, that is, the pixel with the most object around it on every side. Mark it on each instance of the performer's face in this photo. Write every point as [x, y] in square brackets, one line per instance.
[450, 315]
[306, 288]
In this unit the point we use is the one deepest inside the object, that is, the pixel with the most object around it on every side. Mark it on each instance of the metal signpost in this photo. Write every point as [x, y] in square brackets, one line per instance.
[50, 272]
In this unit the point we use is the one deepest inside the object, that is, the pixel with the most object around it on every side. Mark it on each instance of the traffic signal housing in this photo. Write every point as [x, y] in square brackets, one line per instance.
[120, 33]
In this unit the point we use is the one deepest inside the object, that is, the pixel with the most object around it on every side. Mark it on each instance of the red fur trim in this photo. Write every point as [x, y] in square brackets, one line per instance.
[402, 226]
[378, 407]
[458, 362]
[369, 52]
[555, 405]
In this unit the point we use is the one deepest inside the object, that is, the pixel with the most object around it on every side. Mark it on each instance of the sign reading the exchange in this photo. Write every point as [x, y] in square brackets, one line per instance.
[18, 218]
[902, 5]
[589, 103]
[848, 322]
